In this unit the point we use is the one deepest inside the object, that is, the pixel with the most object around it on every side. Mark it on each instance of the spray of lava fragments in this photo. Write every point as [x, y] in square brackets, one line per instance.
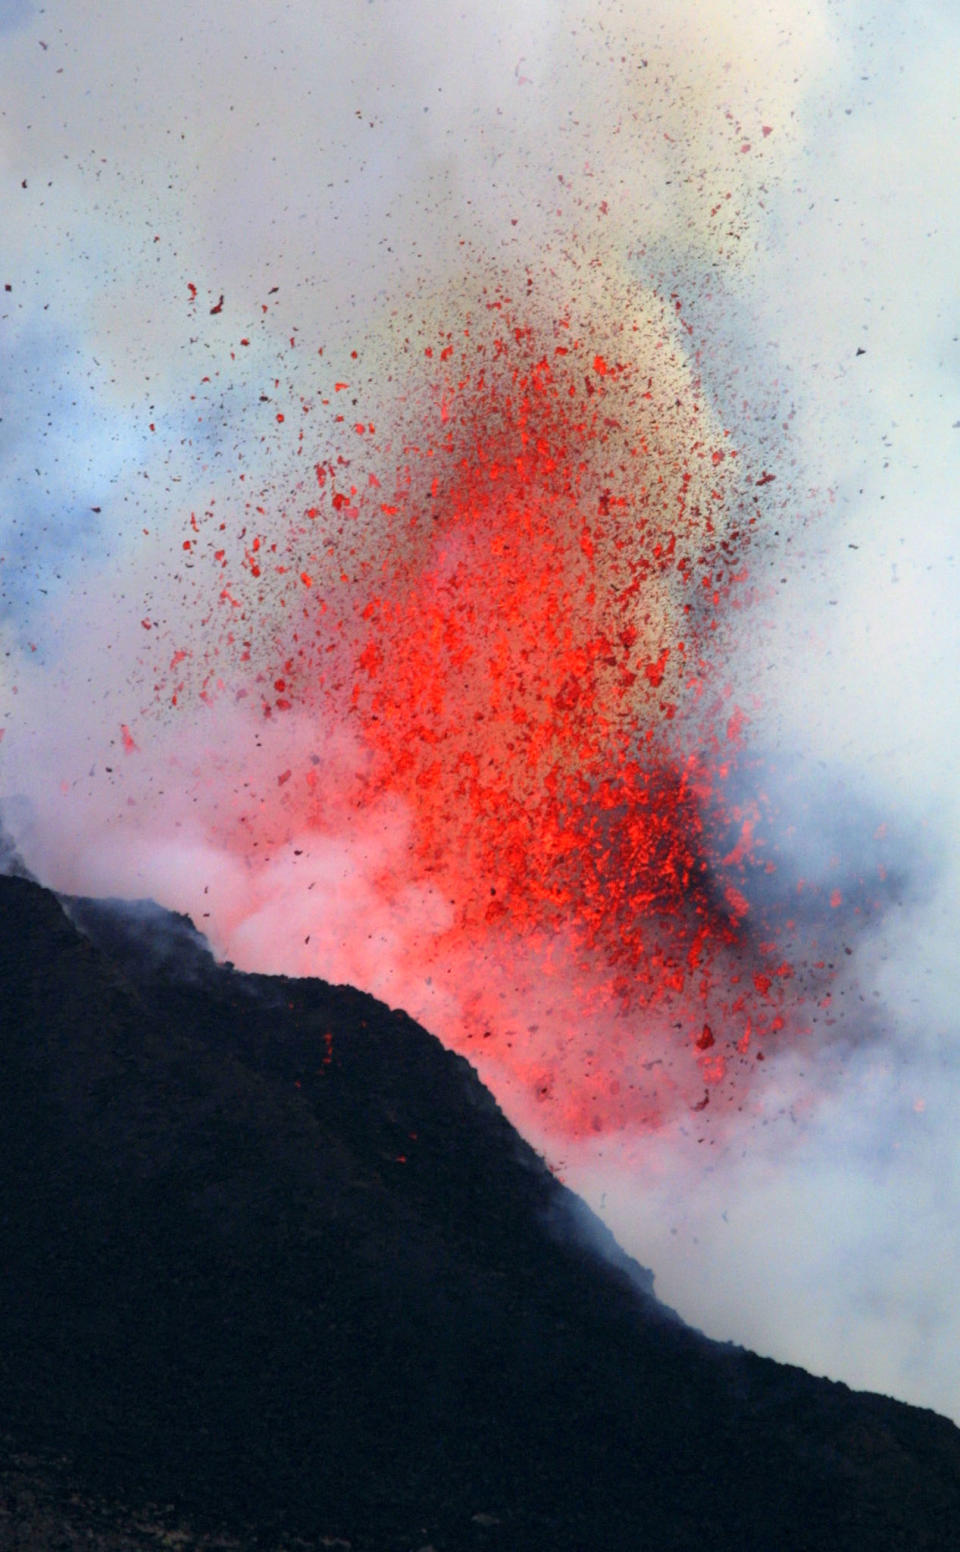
[504, 627]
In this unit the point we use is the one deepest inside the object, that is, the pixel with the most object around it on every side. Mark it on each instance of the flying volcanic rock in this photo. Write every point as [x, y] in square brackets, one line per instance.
[273, 1256]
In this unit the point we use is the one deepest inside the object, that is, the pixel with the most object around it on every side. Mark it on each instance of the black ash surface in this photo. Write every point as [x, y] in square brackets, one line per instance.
[274, 1258]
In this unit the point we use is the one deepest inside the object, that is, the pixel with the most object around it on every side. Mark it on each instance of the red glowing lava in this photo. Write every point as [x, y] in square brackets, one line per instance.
[514, 610]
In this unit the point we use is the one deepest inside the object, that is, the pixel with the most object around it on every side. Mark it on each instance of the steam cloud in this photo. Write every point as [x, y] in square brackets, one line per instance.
[787, 174]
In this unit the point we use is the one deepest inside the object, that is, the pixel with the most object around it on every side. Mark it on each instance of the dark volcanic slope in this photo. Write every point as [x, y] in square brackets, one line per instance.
[272, 1253]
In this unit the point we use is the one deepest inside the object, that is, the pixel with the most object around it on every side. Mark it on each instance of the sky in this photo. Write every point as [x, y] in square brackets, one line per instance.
[747, 215]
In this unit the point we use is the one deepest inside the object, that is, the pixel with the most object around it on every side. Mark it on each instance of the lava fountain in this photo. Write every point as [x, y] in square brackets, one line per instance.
[501, 636]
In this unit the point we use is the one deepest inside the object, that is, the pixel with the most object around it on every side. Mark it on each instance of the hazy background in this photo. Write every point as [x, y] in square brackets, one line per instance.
[360, 155]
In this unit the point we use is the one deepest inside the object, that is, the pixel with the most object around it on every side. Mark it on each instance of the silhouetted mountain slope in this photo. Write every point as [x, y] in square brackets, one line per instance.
[271, 1252]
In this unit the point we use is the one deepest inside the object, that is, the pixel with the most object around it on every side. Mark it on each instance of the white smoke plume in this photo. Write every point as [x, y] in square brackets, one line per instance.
[336, 174]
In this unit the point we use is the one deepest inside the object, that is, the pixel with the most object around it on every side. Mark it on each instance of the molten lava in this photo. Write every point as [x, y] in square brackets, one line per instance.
[518, 619]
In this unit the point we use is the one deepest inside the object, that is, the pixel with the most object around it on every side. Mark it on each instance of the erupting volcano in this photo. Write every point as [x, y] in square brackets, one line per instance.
[478, 498]
[499, 634]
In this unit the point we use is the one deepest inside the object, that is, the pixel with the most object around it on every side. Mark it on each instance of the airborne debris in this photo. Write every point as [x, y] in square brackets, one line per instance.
[526, 658]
